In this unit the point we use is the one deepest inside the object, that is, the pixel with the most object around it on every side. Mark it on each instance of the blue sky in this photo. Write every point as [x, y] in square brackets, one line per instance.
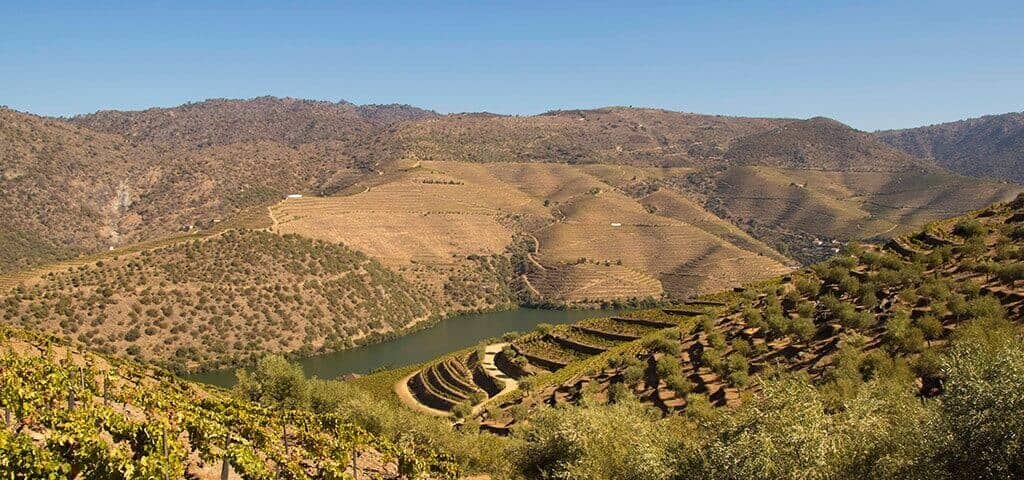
[869, 64]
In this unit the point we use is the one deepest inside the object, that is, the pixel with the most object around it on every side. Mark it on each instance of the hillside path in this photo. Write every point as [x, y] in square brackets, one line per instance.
[490, 352]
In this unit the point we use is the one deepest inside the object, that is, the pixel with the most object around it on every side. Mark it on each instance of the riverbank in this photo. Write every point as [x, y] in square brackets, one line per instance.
[447, 335]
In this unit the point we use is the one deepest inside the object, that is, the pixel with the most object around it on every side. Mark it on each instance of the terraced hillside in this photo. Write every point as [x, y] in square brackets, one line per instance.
[874, 310]
[138, 176]
[805, 184]
[73, 414]
[465, 383]
[223, 300]
[590, 241]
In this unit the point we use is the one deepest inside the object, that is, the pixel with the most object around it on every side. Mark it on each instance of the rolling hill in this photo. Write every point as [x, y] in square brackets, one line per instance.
[461, 212]
[586, 236]
[288, 121]
[811, 182]
[615, 135]
[230, 298]
[72, 190]
[990, 146]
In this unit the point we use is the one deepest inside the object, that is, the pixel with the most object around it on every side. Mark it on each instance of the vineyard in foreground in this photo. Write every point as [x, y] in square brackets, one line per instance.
[69, 414]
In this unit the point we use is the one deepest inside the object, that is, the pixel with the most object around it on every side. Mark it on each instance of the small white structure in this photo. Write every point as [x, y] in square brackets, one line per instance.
[616, 224]
[295, 195]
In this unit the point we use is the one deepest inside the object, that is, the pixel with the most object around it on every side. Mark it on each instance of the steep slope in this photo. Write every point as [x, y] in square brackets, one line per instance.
[659, 193]
[64, 188]
[233, 297]
[801, 186]
[74, 414]
[438, 215]
[989, 146]
[223, 300]
[820, 144]
[70, 190]
[870, 313]
[288, 121]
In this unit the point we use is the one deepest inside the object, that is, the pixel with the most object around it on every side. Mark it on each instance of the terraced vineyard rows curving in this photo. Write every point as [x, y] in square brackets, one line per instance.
[871, 310]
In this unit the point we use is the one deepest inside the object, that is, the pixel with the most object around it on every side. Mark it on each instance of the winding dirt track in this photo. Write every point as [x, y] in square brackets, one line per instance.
[510, 383]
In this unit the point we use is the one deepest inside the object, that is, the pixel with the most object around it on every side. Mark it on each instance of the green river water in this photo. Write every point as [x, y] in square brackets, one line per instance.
[453, 333]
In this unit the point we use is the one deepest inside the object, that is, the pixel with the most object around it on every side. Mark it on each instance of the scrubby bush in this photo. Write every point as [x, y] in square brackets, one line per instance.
[619, 393]
[883, 432]
[1011, 273]
[462, 409]
[668, 366]
[742, 346]
[983, 307]
[983, 403]
[662, 344]
[969, 228]
[930, 326]
[901, 335]
[679, 384]
[591, 443]
[633, 374]
[803, 328]
[274, 382]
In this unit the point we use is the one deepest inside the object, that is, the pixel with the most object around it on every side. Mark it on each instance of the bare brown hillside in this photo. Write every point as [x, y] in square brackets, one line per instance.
[629, 136]
[63, 188]
[226, 121]
[587, 241]
[71, 190]
[989, 146]
[821, 144]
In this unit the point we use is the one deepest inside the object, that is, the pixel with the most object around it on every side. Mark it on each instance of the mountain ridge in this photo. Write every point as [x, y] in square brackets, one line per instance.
[987, 146]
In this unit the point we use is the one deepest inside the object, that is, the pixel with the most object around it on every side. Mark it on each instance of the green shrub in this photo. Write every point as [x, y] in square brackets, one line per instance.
[633, 374]
[619, 441]
[983, 403]
[742, 346]
[680, 385]
[619, 392]
[662, 344]
[803, 328]
[808, 286]
[930, 326]
[969, 228]
[668, 366]
[462, 409]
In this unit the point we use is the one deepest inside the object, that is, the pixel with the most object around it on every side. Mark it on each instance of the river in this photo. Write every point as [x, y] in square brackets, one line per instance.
[453, 333]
